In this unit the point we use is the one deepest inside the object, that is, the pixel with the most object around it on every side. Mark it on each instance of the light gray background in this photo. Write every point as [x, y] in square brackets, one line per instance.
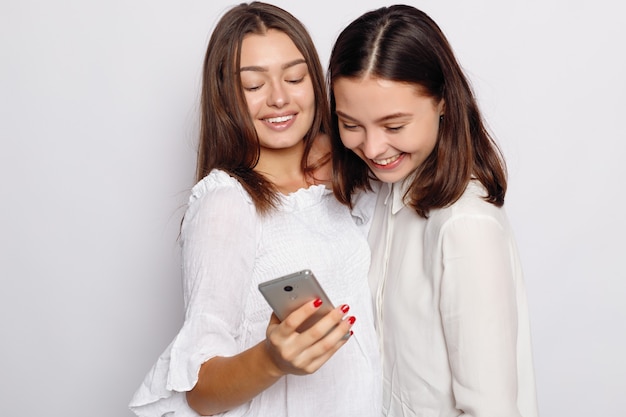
[98, 108]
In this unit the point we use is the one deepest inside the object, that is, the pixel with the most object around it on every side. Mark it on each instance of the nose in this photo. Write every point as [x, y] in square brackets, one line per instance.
[373, 144]
[278, 96]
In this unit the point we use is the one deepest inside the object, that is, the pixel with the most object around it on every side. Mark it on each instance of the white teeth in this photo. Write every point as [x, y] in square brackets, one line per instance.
[279, 119]
[386, 161]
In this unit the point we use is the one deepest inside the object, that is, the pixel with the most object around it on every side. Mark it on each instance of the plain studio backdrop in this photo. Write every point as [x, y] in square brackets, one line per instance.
[98, 125]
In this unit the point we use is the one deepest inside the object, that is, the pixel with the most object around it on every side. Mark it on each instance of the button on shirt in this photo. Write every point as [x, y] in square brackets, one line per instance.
[451, 309]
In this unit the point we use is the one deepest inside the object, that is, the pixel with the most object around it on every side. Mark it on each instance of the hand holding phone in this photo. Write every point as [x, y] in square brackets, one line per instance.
[287, 293]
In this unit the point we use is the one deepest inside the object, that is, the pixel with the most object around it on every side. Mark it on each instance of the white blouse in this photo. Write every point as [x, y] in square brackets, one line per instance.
[451, 309]
[227, 250]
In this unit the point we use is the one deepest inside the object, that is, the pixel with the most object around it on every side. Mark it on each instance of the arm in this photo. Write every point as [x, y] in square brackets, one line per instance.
[479, 315]
[215, 278]
[226, 382]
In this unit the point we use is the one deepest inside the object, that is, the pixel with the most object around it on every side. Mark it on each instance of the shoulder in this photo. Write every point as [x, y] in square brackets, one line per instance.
[220, 183]
[219, 197]
[471, 206]
[471, 225]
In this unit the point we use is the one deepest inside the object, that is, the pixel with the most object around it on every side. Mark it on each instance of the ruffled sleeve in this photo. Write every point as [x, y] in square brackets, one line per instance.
[218, 240]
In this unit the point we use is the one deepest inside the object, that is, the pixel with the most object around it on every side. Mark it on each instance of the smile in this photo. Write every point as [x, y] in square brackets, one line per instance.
[279, 119]
[387, 161]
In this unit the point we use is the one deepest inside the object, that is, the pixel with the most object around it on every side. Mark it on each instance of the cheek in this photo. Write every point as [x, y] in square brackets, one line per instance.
[350, 140]
[422, 140]
[434, 136]
[345, 137]
[306, 97]
[252, 111]
[254, 104]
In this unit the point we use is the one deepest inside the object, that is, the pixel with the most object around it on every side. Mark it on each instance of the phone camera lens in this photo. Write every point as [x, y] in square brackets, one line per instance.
[288, 288]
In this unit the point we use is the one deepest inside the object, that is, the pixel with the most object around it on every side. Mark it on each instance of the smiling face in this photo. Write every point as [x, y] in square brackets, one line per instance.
[278, 89]
[388, 124]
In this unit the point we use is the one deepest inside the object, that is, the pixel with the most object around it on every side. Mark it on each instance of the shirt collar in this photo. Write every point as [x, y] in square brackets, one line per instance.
[396, 192]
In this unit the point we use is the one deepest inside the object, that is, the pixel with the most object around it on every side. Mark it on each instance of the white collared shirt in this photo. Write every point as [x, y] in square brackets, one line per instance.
[451, 310]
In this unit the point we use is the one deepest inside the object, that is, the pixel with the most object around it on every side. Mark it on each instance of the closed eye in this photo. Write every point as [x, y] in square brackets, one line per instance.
[253, 88]
[349, 126]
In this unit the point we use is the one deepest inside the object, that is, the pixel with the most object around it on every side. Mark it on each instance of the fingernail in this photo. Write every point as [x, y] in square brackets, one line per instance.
[351, 319]
[345, 308]
[317, 302]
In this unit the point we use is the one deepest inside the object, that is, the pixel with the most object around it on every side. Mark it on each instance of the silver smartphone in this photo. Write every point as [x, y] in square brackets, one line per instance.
[287, 293]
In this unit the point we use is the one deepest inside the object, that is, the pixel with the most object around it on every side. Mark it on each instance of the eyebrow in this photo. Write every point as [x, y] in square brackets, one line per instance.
[265, 69]
[380, 120]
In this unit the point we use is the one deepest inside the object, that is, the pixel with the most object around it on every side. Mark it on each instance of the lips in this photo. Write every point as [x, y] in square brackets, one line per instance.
[279, 119]
[388, 163]
[279, 123]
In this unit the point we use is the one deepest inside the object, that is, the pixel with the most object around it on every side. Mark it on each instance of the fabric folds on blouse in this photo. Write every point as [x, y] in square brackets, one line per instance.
[227, 250]
[451, 306]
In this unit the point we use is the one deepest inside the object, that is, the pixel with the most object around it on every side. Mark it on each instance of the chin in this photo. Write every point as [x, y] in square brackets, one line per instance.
[390, 176]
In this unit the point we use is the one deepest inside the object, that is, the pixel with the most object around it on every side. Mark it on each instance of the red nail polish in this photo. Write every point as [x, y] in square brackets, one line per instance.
[317, 302]
[345, 308]
[351, 319]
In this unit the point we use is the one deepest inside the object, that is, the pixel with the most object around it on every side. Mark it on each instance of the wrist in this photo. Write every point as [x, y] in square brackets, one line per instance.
[269, 364]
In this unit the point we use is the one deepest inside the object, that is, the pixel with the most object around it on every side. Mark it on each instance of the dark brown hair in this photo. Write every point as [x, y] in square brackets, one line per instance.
[401, 43]
[228, 139]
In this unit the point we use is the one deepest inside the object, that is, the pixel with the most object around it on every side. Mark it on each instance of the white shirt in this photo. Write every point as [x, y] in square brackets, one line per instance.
[451, 310]
[228, 249]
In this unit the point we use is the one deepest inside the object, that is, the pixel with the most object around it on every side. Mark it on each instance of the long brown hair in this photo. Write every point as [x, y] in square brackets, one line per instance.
[228, 139]
[401, 43]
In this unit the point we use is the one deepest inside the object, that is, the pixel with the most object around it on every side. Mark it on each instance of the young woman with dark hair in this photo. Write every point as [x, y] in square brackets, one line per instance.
[445, 278]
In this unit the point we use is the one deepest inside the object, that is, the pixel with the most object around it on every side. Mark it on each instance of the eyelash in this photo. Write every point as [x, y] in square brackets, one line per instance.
[257, 87]
[395, 129]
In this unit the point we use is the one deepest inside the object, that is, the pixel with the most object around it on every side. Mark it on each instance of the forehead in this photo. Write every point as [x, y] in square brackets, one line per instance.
[376, 91]
[265, 50]
[374, 98]
[368, 85]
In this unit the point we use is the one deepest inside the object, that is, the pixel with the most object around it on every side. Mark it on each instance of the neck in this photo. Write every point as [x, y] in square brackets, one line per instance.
[283, 168]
